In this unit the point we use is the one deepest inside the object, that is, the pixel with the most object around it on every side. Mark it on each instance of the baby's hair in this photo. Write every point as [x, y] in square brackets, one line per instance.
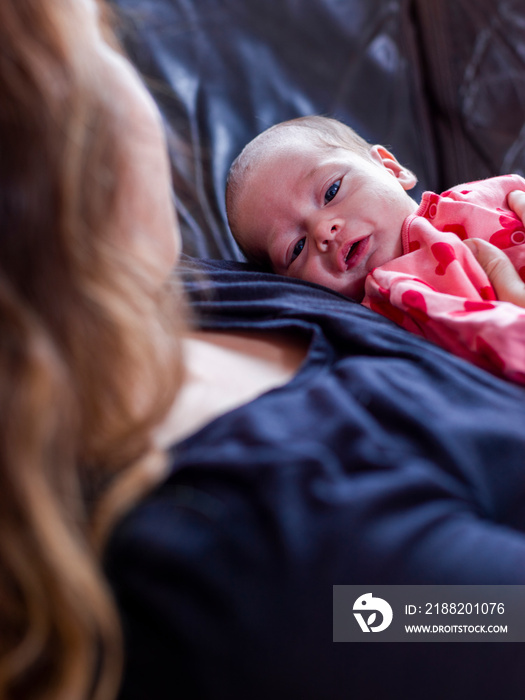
[330, 133]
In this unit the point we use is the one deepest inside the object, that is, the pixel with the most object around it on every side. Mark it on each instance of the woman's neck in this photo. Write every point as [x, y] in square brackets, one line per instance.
[225, 370]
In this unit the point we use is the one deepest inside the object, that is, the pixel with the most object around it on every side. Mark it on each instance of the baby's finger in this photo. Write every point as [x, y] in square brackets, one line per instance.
[504, 278]
[516, 201]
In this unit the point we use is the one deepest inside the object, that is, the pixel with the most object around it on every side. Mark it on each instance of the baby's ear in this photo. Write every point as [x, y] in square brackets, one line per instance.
[382, 156]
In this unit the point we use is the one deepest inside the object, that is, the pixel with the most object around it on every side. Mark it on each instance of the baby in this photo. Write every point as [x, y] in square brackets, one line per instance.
[309, 198]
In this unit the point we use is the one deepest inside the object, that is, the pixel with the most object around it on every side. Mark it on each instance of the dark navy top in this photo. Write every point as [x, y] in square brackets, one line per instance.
[385, 460]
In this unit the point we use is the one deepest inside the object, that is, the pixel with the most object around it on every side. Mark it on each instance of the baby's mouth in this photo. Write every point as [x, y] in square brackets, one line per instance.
[353, 254]
[352, 250]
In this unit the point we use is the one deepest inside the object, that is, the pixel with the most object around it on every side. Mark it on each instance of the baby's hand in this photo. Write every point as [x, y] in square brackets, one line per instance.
[516, 201]
[501, 272]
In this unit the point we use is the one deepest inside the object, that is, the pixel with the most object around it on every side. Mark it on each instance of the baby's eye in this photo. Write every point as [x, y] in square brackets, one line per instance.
[332, 191]
[297, 249]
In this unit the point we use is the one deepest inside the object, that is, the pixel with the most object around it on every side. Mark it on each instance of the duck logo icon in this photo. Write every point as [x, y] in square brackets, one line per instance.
[366, 603]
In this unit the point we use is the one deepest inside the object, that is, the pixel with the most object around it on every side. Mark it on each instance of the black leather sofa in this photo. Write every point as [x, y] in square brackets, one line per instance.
[441, 82]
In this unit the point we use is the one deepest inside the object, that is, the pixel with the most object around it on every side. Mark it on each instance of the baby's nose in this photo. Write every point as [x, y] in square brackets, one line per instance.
[324, 232]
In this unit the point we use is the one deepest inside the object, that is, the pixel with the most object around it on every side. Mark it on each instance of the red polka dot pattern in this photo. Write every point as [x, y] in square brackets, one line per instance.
[416, 302]
[458, 229]
[438, 290]
[478, 305]
[444, 254]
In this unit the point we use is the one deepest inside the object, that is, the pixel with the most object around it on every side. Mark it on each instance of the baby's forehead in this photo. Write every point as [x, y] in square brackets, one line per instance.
[282, 148]
[291, 138]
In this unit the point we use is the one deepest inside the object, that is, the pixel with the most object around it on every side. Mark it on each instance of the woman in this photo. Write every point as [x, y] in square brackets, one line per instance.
[90, 360]
[224, 573]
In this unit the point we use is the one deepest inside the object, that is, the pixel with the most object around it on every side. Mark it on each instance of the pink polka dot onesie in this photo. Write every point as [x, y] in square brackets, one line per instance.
[437, 288]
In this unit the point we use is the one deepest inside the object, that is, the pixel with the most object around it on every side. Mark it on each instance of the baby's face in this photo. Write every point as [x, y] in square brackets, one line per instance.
[326, 215]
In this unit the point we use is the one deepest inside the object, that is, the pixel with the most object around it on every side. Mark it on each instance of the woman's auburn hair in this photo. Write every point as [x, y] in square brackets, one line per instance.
[89, 356]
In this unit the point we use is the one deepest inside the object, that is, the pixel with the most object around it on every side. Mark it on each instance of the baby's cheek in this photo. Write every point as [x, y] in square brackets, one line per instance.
[309, 271]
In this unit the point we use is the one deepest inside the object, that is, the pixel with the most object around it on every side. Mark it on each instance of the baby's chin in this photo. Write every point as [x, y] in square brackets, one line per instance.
[357, 291]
